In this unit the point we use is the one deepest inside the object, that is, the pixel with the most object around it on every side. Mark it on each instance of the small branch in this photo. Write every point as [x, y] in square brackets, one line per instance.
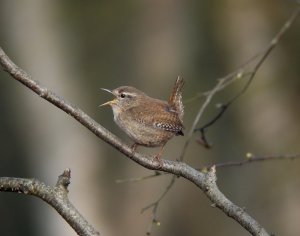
[250, 158]
[266, 52]
[155, 205]
[56, 196]
[137, 179]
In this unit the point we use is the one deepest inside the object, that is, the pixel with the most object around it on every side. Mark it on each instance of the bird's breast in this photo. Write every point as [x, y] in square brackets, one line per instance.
[140, 132]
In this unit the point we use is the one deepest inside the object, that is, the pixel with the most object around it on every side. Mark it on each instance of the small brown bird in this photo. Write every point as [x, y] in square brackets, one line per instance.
[148, 121]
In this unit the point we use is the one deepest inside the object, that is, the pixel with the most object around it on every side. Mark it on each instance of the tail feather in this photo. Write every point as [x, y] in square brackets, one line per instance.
[175, 99]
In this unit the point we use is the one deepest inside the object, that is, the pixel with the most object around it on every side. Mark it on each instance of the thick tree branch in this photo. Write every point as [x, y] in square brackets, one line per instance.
[205, 181]
[250, 158]
[56, 196]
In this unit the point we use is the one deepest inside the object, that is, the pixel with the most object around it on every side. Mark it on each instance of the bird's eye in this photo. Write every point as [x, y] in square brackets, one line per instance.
[122, 95]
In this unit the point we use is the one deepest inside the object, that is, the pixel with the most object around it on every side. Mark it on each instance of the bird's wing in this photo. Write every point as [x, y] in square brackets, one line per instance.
[159, 116]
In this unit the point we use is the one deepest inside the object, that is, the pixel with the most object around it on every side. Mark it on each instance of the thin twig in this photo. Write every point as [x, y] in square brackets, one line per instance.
[250, 158]
[137, 179]
[155, 205]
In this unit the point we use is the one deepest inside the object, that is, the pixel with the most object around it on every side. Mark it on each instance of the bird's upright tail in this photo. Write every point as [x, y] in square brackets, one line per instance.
[175, 99]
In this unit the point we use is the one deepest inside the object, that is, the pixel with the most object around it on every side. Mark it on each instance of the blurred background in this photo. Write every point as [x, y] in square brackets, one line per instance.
[77, 47]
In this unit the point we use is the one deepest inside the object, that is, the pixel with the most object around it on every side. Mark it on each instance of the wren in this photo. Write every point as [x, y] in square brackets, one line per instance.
[148, 121]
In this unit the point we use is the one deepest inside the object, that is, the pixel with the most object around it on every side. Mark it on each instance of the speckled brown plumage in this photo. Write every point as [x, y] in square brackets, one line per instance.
[148, 121]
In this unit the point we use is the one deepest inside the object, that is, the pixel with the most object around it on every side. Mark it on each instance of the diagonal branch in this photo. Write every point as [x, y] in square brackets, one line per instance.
[205, 181]
[56, 196]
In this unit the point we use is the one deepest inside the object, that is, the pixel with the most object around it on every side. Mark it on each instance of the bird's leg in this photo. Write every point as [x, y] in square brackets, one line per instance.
[133, 148]
[159, 154]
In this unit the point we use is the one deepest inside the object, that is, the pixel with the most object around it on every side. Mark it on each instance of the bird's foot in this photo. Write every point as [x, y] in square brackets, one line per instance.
[157, 159]
[133, 149]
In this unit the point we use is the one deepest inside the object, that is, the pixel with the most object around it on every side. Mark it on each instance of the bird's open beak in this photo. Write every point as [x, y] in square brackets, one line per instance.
[107, 90]
[112, 102]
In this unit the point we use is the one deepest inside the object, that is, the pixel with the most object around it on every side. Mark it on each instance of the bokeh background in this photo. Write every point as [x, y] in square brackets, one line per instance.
[77, 47]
